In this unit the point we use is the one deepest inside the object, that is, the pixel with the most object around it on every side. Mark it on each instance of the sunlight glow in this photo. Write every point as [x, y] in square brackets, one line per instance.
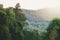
[31, 4]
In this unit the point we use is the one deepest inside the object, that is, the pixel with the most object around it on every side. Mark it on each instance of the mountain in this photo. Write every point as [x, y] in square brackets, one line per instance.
[35, 21]
[49, 13]
[34, 15]
[40, 18]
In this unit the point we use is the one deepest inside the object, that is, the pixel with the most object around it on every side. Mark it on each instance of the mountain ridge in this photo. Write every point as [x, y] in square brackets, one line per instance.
[34, 20]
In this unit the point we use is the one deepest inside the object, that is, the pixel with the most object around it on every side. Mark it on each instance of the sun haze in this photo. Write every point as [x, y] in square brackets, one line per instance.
[31, 4]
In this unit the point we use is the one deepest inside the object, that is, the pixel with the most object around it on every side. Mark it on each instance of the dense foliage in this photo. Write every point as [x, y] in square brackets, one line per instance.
[31, 35]
[12, 21]
[53, 31]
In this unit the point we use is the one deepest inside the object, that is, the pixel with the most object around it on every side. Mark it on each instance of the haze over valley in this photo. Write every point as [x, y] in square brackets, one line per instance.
[41, 18]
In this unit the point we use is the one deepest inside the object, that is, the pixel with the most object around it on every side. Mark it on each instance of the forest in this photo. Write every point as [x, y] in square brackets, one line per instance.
[13, 21]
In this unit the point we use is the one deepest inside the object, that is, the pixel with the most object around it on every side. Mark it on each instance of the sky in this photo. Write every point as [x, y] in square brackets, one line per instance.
[32, 4]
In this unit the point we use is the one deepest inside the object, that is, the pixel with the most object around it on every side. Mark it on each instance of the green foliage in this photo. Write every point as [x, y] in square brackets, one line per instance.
[53, 30]
[43, 35]
[11, 24]
[4, 30]
[34, 35]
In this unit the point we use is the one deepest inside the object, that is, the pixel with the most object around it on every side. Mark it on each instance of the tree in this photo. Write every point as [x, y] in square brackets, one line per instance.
[53, 30]
[31, 35]
[17, 6]
[21, 21]
[12, 21]
[43, 35]
[4, 30]
[16, 21]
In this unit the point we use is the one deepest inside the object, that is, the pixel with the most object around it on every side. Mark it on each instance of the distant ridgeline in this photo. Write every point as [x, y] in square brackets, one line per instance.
[35, 21]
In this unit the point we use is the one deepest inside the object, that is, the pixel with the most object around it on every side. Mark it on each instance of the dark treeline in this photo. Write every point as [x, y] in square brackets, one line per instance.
[12, 21]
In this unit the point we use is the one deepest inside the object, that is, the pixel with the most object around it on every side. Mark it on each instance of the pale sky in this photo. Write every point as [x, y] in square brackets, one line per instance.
[32, 4]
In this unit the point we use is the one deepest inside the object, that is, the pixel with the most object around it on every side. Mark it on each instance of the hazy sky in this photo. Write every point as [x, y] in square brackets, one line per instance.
[32, 4]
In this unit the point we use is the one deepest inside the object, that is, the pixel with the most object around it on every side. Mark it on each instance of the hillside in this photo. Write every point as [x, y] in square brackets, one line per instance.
[36, 21]
[40, 18]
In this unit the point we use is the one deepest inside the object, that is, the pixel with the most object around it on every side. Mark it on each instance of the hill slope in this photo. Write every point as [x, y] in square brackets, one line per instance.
[35, 20]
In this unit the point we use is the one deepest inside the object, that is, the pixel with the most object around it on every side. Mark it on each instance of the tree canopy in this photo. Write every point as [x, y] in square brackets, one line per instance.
[53, 31]
[12, 21]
